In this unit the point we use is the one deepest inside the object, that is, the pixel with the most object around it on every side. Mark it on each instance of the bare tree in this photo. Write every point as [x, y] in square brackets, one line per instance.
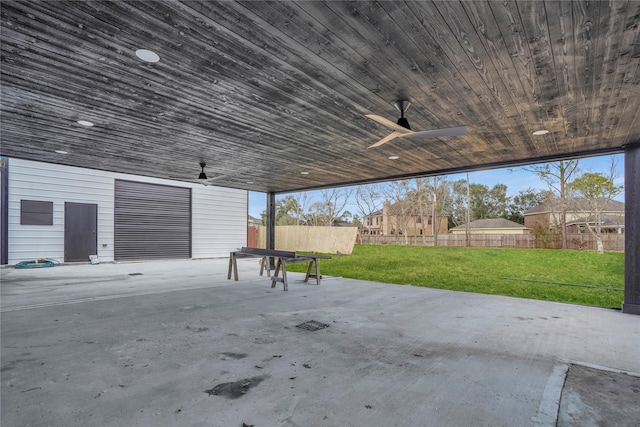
[369, 200]
[400, 206]
[304, 202]
[453, 201]
[334, 201]
[557, 175]
[422, 186]
[437, 184]
[317, 214]
[428, 206]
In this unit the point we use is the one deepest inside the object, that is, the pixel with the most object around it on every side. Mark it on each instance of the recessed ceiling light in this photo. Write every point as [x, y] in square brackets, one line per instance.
[394, 157]
[304, 173]
[541, 132]
[85, 123]
[61, 152]
[147, 55]
[249, 182]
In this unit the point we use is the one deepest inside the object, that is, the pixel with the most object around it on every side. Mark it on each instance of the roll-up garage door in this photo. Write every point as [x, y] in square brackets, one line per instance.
[151, 221]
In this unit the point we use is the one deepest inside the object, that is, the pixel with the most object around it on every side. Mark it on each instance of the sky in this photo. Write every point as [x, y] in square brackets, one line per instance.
[516, 179]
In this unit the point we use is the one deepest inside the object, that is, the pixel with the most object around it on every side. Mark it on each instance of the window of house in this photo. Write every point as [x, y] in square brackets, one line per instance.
[430, 220]
[34, 212]
[419, 220]
[377, 220]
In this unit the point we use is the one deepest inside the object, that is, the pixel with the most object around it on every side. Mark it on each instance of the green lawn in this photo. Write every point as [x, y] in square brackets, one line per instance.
[487, 271]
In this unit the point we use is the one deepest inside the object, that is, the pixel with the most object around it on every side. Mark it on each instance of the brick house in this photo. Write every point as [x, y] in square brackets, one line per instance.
[398, 219]
[578, 214]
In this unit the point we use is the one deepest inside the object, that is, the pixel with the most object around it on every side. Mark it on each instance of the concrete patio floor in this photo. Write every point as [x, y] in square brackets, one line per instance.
[176, 344]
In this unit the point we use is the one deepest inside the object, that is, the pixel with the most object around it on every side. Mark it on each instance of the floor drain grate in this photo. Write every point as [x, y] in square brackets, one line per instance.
[312, 325]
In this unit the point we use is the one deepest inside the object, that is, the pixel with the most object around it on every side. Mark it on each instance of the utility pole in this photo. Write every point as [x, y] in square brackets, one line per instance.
[435, 221]
[468, 213]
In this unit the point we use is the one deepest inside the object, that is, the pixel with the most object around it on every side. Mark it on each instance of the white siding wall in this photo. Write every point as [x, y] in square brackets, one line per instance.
[219, 221]
[219, 215]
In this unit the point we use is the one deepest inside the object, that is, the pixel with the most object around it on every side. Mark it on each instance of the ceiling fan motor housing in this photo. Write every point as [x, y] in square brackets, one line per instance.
[402, 106]
[403, 122]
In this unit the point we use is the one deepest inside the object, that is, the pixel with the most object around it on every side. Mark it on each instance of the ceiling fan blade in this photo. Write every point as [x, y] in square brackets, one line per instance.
[458, 131]
[211, 180]
[388, 123]
[386, 139]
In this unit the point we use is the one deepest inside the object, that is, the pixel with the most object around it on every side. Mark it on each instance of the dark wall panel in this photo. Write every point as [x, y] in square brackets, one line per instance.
[151, 221]
[80, 231]
[4, 211]
[35, 212]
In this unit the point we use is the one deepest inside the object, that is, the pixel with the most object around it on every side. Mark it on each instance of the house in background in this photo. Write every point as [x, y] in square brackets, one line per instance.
[372, 224]
[253, 225]
[578, 215]
[491, 226]
[254, 222]
[399, 219]
[608, 224]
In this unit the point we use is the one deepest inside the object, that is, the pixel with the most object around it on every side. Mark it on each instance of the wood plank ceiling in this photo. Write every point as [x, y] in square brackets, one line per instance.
[263, 91]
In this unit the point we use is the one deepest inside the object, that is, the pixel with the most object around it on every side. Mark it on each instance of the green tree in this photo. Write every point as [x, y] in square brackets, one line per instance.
[483, 202]
[287, 211]
[488, 203]
[597, 190]
[523, 201]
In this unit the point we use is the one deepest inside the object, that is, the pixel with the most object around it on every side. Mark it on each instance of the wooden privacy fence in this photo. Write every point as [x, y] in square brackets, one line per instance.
[611, 242]
[311, 239]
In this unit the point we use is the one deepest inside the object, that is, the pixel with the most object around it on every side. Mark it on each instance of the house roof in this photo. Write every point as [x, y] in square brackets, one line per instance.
[411, 209]
[490, 223]
[605, 220]
[396, 208]
[576, 205]
[263, 91]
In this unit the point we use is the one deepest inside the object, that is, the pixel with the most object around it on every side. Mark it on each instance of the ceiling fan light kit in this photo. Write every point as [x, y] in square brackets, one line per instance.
[403, 130]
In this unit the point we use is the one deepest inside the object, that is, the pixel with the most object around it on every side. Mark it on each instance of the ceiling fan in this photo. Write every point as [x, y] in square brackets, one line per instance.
[202, 177]
[204, 180]
[202, 174]
[402, 129]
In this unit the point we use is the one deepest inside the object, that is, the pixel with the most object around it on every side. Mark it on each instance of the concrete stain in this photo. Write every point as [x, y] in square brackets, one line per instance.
[13, 364]
[234, 355]
[236, 389]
